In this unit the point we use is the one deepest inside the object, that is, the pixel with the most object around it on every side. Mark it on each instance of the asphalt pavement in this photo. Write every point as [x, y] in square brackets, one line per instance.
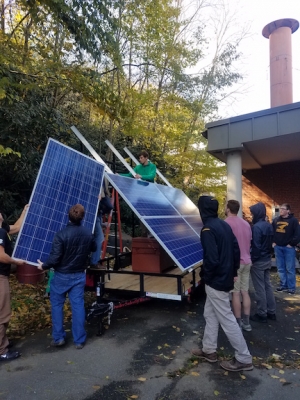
[145, 354]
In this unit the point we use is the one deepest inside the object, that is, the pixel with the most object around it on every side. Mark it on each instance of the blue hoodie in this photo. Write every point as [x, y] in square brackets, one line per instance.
[262, 234]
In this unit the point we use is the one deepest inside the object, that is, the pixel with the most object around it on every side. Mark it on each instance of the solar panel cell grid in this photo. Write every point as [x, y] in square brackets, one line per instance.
[66, 177]
[145, 197]
[179, 200]
[178, 238]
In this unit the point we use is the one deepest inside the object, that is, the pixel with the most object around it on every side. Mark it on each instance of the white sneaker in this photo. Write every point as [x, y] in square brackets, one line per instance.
[246, 327]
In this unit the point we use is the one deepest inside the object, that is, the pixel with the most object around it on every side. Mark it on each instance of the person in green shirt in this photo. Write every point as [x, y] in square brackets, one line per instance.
[146, 170]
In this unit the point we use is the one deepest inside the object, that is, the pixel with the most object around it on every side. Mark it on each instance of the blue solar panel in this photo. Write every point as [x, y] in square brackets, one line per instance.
[160, 210]
[178, 239]
[66, 177]
[195, 222]
[179, 200]
[144, 196]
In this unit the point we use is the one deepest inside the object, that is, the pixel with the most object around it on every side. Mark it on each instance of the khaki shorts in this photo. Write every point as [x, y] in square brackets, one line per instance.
[242, 282]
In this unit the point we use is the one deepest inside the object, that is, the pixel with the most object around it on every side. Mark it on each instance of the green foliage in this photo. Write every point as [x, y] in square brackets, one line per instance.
[116, 70]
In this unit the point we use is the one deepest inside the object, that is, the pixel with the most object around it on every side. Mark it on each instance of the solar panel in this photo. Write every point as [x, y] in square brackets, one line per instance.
[179, 240]
[175, 233]
[66, 177]
[179, 200]
[195, 222]
[144, 196]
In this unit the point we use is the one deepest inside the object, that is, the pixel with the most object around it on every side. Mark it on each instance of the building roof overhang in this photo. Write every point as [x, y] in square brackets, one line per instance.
[263, 137]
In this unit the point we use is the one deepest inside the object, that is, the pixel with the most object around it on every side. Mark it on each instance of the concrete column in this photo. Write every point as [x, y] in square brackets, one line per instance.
[234, 178]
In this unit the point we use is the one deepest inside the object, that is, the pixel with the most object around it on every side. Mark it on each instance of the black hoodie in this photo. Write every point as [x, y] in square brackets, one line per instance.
[286, 231]
[221, 253]
[262, 234]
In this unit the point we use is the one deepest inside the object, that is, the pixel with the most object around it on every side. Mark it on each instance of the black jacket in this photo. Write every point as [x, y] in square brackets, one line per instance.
[221, 253]
[70, 249]
[5, 242]
[262, 234]
[286, 231]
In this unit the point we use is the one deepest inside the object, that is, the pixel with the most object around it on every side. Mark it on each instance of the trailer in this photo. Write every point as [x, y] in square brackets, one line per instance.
[125, 286]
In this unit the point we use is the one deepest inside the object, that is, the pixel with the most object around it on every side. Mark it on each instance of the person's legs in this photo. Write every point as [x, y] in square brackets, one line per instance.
[289, 255]
[221, 306]
[59, 289]
[280, 264]
[236, 297]
[244, 286]
[5, 313]
[271, 304]
[99, 238]
[210, 337]
[258, 280]
[76, 296]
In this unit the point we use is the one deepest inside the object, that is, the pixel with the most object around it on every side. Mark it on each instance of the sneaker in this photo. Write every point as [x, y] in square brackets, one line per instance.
[258, 318]
[291, 291]
[272, 317]
[58, 344]
[281, 289]
[9, 355]
[79, 346]
[212, 358]
[246, 327]
[235, 366]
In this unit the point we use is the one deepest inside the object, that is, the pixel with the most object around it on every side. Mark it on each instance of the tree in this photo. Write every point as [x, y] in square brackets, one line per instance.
[118, 71]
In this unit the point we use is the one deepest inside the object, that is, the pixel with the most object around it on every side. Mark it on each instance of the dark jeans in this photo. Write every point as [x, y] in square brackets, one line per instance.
[73, 284]
[260, 274]
[99, 238]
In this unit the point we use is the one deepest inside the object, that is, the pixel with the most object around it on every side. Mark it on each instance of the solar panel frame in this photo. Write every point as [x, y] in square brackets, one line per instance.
[66, 177]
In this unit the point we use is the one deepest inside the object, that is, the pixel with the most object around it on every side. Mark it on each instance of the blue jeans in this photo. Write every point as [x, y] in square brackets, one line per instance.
[73, 284]
[99, 238]
[285, 262]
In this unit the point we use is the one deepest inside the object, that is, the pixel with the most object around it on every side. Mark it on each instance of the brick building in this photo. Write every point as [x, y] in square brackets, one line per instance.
[262, 153]
[262, 149]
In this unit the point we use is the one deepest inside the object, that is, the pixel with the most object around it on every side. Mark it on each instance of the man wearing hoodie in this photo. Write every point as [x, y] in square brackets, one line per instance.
[261, 248]
[221, 260]
[286, 237]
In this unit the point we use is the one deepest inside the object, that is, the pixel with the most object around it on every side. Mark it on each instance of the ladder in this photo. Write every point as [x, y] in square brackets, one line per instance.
[116, 206]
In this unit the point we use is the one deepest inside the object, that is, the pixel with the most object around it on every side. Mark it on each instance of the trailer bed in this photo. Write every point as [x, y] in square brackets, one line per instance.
[171, 284]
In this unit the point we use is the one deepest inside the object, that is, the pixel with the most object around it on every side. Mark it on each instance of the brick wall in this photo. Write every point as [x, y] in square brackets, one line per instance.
[273, 185]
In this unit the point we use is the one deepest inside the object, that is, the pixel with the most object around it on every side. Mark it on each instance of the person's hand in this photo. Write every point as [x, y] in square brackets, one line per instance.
[235, 279]
[289, 246]
[25, 209]
[40, 266]
[273, 245]
[137, 176]
[18, 261]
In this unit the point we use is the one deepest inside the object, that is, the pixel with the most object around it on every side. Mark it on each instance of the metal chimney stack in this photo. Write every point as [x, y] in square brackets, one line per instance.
[281, 83]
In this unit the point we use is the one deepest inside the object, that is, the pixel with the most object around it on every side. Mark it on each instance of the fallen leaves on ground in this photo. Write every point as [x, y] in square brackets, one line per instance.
[31, 311]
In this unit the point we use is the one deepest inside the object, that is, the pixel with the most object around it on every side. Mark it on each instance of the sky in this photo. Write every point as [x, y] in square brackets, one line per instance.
[255, 48]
